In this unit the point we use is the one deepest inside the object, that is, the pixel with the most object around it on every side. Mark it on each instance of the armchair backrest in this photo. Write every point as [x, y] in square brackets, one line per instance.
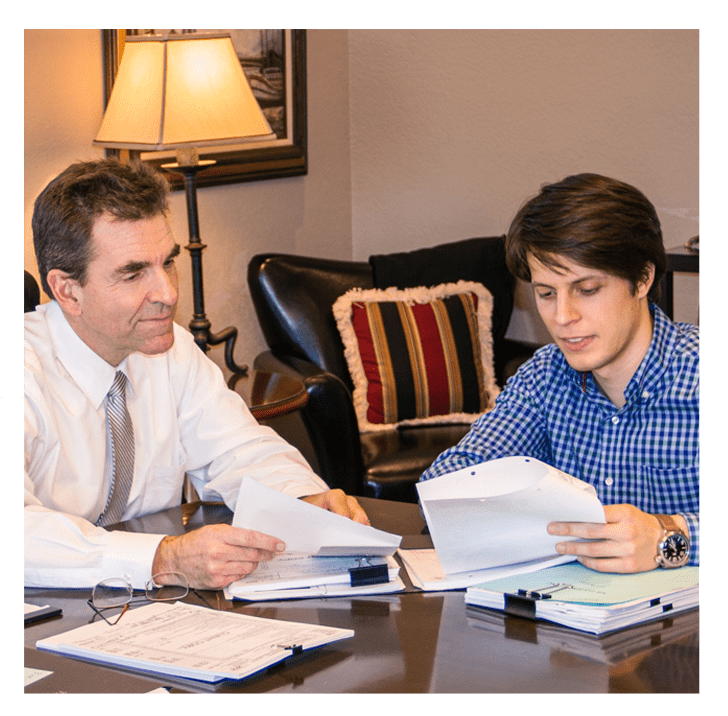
[294, 295]
[293, 298]
[481, 259]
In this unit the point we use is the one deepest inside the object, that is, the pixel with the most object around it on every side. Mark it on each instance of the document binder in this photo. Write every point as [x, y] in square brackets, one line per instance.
[596, 602]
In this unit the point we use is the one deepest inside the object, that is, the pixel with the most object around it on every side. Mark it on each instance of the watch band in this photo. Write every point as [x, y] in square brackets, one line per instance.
[668, 524]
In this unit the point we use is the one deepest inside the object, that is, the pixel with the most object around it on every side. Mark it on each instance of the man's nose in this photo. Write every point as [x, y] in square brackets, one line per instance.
[565, 310]
[164, 288]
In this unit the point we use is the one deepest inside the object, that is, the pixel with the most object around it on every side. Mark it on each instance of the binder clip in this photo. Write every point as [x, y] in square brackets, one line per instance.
[523, 603]
[365, 575]
[293, 648]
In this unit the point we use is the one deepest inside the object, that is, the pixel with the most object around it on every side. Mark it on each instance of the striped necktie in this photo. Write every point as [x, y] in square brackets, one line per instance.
[122, 452]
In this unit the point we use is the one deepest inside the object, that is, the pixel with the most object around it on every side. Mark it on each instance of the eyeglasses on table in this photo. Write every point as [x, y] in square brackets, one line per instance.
[117, 592]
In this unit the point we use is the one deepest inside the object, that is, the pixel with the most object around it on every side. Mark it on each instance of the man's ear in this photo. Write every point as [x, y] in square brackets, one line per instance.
[645, 283]
[66, 291]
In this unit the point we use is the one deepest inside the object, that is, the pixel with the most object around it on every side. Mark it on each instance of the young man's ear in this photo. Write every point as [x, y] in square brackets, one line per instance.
[645, 283]
[65, 290]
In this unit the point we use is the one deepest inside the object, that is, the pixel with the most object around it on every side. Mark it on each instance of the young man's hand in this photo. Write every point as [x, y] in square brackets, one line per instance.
[626, 543]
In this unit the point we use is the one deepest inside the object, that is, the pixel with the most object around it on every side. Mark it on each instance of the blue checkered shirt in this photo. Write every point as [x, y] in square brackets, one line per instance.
[645, 453]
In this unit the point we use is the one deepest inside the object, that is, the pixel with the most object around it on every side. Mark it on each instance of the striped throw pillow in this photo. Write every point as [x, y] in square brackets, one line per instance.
[418, 356]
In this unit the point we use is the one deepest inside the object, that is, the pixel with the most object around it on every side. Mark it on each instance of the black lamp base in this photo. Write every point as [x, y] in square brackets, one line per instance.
[200, 326]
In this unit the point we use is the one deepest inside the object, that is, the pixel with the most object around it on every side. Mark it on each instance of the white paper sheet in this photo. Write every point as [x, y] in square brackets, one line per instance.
[307, 529]
[496, 513]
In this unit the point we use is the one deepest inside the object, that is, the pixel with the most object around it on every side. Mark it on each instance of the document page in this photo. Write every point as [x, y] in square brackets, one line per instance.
[495, 513]
[307, 529]
[191, 642]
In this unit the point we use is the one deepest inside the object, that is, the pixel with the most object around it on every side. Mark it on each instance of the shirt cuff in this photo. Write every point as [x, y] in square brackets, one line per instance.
[132, 554]
[693, 520]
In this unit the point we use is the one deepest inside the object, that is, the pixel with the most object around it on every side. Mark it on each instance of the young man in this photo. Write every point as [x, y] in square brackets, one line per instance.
[106, 257]
[614, 401]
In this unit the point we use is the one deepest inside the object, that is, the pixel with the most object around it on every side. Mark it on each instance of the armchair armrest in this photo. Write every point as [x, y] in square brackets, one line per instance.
[329, 418]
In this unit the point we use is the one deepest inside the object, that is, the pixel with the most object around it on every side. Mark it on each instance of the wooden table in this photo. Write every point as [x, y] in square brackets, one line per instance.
[269, 395]
[408, 642]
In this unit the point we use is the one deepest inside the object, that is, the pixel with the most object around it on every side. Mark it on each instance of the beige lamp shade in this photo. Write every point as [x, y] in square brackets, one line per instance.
[180, 91]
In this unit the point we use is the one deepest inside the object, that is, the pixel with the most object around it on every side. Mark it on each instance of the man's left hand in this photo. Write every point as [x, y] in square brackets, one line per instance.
[340, 503]
[626, 543]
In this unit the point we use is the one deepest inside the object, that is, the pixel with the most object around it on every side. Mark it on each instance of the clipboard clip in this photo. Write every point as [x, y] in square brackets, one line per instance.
[366, 574]
[523, 602]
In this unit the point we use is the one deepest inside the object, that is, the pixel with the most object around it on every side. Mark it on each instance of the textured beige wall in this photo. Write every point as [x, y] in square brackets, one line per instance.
[451, 130]
[415, 137]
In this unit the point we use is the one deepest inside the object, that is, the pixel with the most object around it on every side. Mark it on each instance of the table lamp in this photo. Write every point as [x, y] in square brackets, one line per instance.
[182, 92]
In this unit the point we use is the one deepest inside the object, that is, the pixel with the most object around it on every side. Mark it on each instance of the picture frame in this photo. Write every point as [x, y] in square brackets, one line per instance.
[287, 156]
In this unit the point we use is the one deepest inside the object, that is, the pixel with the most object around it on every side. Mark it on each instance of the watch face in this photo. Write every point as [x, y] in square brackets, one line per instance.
[675, 549]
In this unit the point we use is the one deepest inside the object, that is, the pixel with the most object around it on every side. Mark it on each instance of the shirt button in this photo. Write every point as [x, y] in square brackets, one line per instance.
[646, 394]
[609, 481]
[615, 419]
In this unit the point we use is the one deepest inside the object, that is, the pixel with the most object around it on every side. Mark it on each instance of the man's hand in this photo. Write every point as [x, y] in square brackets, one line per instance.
[626, 543]
[339, 502]
[215, 555]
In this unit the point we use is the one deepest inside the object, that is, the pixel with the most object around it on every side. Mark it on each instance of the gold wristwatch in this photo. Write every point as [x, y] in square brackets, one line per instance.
[673, 549]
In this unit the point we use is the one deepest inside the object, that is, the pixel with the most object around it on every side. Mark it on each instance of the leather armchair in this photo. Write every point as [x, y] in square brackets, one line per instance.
[32, 292]
[293, 298]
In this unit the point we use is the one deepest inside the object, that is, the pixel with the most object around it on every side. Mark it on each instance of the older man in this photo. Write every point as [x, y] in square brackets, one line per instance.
[120, 404]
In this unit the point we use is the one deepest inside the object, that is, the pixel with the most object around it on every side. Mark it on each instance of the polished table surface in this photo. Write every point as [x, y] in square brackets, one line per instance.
[404, 643]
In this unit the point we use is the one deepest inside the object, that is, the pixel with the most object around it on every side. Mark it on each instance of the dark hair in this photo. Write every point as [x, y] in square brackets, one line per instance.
[66, 210]
[594, 221]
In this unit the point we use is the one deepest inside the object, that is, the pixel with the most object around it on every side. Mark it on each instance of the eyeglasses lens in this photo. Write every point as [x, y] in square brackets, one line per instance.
[111, 593]
[167, 587]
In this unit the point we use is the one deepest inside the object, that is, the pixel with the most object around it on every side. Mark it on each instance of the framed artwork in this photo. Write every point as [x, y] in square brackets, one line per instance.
[274, 62]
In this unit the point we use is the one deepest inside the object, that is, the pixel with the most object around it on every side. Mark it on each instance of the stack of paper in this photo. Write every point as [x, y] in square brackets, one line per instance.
[608, 648]
[183, 641]
[326, 554]
[301, 576]
[591, 601]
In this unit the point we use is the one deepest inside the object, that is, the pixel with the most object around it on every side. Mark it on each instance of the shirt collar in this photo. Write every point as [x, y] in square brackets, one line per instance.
[90, 371]
[648, 376]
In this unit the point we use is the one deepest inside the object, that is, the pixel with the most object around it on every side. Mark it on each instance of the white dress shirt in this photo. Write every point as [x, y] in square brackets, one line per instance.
[186, 421]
